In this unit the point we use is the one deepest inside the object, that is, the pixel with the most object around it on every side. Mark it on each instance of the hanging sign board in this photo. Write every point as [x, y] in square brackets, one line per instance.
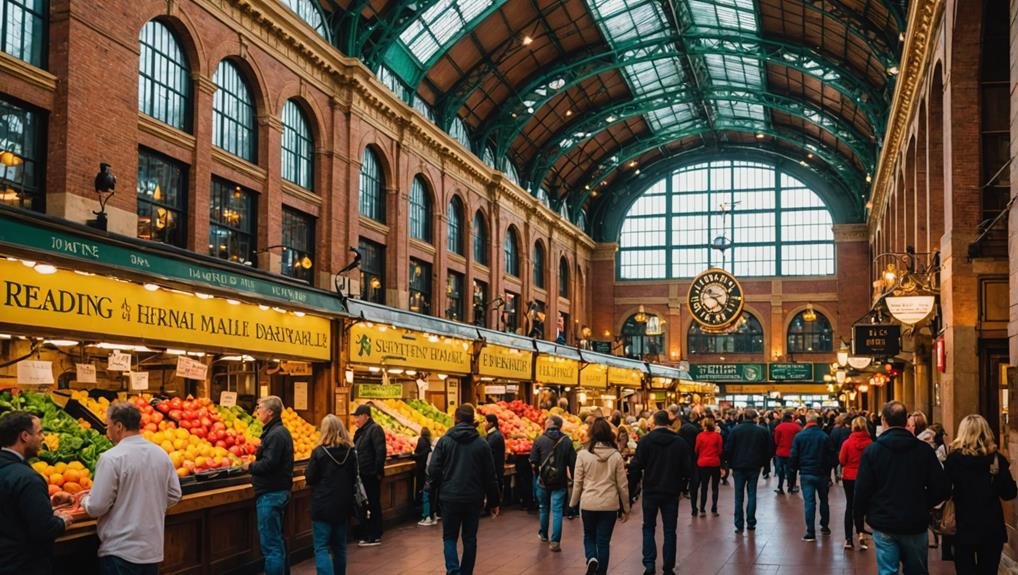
[138, 380]
[876, 340]
[379, 391]
[191, 369]
[748, 372]
[228, 398]
[556, 370]
[494, 390]
[35, 372]
[397, 347]
[104, 307]
[910, 309]
[300, 395]
[790, 371]
[625, 377]
[594, 376]
[505, 363]
[118, 361]
[84, 372]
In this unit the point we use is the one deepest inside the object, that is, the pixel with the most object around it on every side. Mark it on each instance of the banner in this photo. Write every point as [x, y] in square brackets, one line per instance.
[790, 371]
[379, 391]
[383, 345]
[101, 307]
[748, 372]
[557, 370]
[625, 377]
[594, 376]
[505, 363]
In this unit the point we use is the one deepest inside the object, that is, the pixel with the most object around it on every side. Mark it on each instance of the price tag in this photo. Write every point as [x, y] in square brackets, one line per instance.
[139, 380]
[300, 395]
[228, 398]
[85, 372]
[118, 361]
[35, 372]
[191, 369]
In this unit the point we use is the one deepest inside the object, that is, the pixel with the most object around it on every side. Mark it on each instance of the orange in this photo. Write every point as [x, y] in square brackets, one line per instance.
[56, 479]
[53, 490]
[85, 483]
[75, 465]
[60, 467]
[182, 472]
[72, 487]
[40, 466]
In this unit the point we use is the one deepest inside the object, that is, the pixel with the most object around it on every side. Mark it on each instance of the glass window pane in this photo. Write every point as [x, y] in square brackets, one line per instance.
[420, 211]
[372, 193]
[162, 199]
[164, 85]
[297, 147]
[21, 172]
[372, 271]
[480, 239]
[233, 124]
[232, 222]
[298, 239]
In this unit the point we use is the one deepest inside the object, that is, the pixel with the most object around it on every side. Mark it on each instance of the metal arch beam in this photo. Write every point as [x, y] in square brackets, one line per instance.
[590, 124]
[865, 26]
[369, 42]
[848, 175]
[898, 11]
[511, 119]
[616, 200]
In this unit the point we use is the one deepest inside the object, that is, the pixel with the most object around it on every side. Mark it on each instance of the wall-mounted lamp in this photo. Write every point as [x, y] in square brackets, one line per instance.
[640, 316]
[843, 354]
[809, 315]
[105, 184]
[840, 376]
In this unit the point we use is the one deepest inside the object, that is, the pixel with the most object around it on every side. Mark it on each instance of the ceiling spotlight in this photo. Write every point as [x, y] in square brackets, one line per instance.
[569, 113]
[632, 164]
[893, 70]
[151, 287]
[527, 40]
[593, 194]
[556, 83]
[869, 178]
[802, 162]
[530, 110]
[810, 155]
[610, 119]
[759, 136]
[637, 172]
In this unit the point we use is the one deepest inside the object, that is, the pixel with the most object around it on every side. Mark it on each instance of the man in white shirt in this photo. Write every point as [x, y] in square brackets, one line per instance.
[135, 483]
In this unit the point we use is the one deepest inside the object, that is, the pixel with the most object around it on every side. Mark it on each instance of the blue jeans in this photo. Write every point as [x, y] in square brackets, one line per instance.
[329, 537]
[908, 550]
[457, 515]
[425, 504]
[270, 507]
[745, 487]
[553, 501]
[110, 565]
[783, 471]
[815, 487]
[668, 505]
[597, 536]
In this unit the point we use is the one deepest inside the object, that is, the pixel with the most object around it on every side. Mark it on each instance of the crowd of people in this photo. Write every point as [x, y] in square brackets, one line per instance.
[894, 467]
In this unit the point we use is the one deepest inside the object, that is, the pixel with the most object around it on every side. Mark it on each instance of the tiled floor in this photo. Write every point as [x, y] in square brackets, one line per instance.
[509, 546]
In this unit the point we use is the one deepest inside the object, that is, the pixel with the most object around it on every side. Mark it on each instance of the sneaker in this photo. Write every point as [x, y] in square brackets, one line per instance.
[825, 530]
[592, 566]
[848, 544]
[793, 490]
[809, 537]
[555, 546]
[862, 543]
[738, 529]
[427, 522]
[370, 543]
[715, 513]
[779, 490]
[542, 538]
[703, 513]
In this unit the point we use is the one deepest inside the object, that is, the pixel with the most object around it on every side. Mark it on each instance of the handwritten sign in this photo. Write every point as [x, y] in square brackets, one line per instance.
[118, 361]
[300, 395]
[84, 372]
[191, 369]
[139, 380]
[228, 398]
[35, 372]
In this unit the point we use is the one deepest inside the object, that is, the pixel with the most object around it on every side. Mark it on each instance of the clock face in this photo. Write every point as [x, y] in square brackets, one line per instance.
[715, 299]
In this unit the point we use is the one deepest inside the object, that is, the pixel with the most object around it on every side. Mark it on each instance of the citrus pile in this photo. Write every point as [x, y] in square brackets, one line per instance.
[71, 477]
[305, 436]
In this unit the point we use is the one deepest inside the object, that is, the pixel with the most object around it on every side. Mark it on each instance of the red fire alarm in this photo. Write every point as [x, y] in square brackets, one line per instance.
[941, 355]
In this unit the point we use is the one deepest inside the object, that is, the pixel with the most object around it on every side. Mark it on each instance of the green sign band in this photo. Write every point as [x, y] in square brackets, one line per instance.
[379, 391]
[17, 233]
[790, 371]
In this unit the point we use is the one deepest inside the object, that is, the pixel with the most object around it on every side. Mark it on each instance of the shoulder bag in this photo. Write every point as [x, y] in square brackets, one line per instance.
[360, 496]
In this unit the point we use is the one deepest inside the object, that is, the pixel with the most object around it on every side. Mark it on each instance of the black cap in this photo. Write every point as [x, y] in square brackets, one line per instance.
[363, 409]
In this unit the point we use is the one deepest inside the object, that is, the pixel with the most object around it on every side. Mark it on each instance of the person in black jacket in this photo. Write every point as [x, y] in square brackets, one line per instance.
[28, 524]
[272, 479]
[663, 462]
[899, 481]
[554, 449]
[332, 475]
[370, 443]
[749, 448]
[812, 456]
[981, 477]
[422, 451]
[688, 432]
[462, 466]
[496, 441]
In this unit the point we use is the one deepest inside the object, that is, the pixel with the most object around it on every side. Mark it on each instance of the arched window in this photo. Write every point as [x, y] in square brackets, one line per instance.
[23, 30]
[581, 221]
[511, 249]
[563, 277]
[164, 77]
[510, 170]
[298, 149]
[309, 13]
[745, 337]
[233, 112]
[637, 343]
[489, 156]
[810, 332]
[420, 211]
[538, 265]
[458, 131]
[455, 216]
[372, 193]
[480, 239]
[668, 231]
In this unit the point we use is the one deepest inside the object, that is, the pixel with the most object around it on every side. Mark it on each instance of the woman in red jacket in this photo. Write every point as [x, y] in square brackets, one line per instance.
[851, 454]
[708, 463]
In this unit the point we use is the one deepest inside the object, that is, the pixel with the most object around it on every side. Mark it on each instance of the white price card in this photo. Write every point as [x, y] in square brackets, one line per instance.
[300, 395]
[35, 372]
[139, 380]
[118, 361]
[84, 372]
[228, 399]
[191, 369]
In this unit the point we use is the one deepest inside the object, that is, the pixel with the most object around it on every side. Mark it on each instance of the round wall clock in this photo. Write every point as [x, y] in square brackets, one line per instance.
[715, 299]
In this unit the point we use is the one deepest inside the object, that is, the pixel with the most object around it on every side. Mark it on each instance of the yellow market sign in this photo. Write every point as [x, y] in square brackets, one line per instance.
[625, 377]
[594, 376]
[505, 363]
[397, 347]
[102, 307]
[556, 370]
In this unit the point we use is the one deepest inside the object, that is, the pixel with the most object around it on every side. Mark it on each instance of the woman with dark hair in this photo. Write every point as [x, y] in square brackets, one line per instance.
[422, 453]
[601, 490]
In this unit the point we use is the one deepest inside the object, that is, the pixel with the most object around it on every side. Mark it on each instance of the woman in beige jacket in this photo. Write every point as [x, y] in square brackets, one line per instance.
[601, 489]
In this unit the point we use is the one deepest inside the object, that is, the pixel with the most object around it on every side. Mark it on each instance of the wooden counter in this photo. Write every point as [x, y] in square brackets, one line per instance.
[216, 531]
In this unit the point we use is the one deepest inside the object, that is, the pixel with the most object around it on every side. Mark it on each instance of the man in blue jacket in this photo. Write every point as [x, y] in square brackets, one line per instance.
[812, 456]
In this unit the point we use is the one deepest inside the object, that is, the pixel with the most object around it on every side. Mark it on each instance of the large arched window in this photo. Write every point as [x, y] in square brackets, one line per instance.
[23, 30]
[372, 192]
[164, 77]
[563, 277]
[746, 337]
[538, 265]
[233, 113]
[454, 242]
[637, 343]
[298, 148]
[810, 331]
[511, 247]
[480, 239]
[670, 228]
[420, 211]
[309, 13]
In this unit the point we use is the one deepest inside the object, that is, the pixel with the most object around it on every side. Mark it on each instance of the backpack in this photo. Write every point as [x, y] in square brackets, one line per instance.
[552, 471]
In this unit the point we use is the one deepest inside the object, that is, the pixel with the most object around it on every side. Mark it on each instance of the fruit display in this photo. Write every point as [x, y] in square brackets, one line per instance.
[71, 477]
[572, 425]
[66, 440]
[431, 412]
[193, 447]
[526, 411]
[305, 436]
[98, 407]
[396, 444]
[437, 427]
[519, 433]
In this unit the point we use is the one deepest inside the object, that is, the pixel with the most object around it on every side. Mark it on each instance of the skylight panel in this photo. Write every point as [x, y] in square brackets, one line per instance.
[426, 36]
[733, 14]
